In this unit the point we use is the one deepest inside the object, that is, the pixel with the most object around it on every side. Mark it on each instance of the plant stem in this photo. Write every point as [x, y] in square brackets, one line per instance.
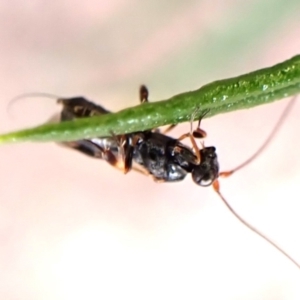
[245, 91]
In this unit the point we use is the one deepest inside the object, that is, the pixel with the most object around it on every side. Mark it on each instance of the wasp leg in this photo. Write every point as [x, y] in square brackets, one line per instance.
[169, 128]
[193, 134]
[126, 153]
[194, 146]
[186, 155]
[141, 170]
[199, 133]
[93, 150]
[112, 160]
[144, 94]
[84, 146]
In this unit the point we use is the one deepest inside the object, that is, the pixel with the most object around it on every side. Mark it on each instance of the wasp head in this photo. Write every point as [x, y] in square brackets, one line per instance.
[207, 171]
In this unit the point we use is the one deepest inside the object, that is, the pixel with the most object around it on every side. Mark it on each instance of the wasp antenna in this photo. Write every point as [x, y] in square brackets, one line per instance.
[279, 123]
[14, 100]
[216, 187]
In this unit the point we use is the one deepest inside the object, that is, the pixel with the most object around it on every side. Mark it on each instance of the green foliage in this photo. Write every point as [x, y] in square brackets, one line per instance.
[245, 91]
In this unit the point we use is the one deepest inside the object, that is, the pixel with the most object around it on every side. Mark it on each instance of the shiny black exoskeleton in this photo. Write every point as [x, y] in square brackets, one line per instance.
[167, 159]
[164, 158]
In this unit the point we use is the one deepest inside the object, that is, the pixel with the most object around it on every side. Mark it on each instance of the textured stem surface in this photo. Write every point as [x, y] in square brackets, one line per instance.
[245, 91]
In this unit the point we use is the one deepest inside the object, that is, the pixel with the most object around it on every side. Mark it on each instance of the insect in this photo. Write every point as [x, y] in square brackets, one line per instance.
[158, 155]
[164, 158]
[154, 153]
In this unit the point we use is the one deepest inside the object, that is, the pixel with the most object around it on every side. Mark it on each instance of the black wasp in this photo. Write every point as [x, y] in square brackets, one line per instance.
[154, 153]
[164, 158]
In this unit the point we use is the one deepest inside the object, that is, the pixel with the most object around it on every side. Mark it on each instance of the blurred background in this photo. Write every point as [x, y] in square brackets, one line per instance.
[72, 227]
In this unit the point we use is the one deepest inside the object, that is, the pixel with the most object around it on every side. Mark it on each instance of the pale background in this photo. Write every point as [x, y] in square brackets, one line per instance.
[73, 227]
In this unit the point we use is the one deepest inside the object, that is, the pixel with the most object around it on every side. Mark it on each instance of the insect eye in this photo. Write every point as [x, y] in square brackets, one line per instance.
[153, 155]
[212, 155]
[206, 182]
[203, 176]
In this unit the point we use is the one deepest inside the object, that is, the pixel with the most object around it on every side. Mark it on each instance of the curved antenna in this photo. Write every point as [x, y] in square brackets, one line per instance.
[267, 141]
[216, 187]
[216, 184]
[14, 100]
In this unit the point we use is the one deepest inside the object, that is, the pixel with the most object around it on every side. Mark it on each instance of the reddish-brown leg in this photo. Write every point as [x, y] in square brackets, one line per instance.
[169, 128]
[194, 146]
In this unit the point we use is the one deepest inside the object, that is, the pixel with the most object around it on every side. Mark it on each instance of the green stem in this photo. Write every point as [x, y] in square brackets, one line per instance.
[245, 91]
